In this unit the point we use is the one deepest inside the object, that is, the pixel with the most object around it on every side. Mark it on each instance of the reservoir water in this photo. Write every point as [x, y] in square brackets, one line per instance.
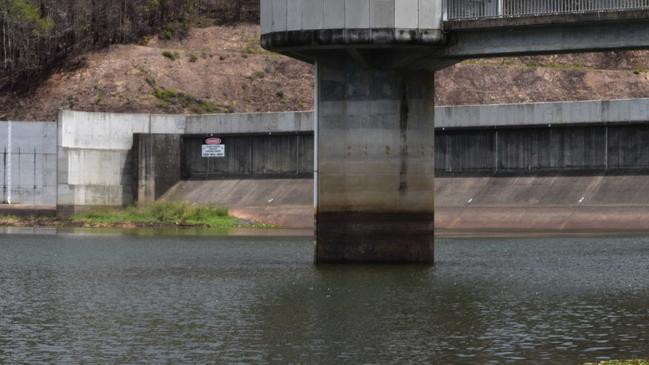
[70, 298]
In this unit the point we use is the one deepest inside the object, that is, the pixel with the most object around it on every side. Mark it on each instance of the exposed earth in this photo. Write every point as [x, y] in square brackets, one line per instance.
[223, 69]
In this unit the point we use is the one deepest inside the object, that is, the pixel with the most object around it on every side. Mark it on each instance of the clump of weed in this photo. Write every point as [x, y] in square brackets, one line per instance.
[167, 33]
[171, 97]
[171, 55]
[257, 75]
[160, 213]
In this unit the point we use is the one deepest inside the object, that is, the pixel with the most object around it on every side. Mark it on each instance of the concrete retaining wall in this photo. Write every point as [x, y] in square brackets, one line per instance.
[523, 150]
[96, 159]
[95, 164]
[95, 156]
[252, 156]
[158, 161]
[28, 159]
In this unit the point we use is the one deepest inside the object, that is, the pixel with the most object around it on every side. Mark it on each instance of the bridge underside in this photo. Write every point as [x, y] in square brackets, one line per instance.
[544, 35]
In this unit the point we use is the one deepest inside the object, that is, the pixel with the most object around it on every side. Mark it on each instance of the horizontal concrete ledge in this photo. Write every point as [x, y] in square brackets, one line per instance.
[463, 116]
[536, 20]
[351, 37]
[538, 114]
[28, 210]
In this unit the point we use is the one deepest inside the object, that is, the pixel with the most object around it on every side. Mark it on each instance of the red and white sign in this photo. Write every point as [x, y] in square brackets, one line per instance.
[213, 140]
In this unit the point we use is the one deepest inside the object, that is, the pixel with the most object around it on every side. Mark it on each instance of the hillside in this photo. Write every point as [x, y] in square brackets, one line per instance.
[222, 69]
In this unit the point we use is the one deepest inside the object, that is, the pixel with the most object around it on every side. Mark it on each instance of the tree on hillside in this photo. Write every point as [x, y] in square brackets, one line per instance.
[38, 34]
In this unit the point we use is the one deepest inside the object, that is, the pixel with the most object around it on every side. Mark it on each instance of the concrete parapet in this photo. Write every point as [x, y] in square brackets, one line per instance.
[533, 114]
[250, 123]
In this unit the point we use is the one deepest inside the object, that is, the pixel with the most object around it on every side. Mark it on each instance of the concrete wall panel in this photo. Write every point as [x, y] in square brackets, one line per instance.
[579, 112]
[357, 14]
[294, 15]
[382, 13]
[279, 21]
[430, 14]
[334, 14]
[313, 14]
[266, 16]
[407, 14]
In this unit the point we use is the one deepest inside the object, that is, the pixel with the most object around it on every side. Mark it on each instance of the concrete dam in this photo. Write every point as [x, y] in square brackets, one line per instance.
[546, 167]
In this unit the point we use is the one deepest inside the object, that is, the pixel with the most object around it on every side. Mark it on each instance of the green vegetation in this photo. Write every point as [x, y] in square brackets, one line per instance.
[37, 35]
[167, 34]
[154, 215]
[621, 362]
[257, 75]
[170, 97]
[159, 214]
[193, 58]
[21, 11]
[171, 55]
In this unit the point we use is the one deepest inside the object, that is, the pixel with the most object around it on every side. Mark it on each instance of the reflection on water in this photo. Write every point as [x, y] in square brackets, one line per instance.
[148, 299]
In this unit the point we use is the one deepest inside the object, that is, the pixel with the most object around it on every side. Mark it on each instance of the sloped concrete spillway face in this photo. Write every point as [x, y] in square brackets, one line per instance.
[374, 121]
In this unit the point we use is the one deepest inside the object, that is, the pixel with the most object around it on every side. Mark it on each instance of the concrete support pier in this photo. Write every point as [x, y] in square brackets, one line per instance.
[374, 165]
[375, 160]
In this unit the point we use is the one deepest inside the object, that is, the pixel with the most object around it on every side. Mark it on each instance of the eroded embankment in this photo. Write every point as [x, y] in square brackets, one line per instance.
[541, 203]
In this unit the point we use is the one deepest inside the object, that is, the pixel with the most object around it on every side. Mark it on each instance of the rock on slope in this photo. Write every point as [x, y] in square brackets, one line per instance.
[223, 69]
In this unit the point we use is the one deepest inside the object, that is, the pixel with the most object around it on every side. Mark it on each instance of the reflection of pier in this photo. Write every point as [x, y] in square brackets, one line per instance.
[374, 118]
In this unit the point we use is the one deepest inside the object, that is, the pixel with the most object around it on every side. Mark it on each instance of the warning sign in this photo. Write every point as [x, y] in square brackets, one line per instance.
[213, 150]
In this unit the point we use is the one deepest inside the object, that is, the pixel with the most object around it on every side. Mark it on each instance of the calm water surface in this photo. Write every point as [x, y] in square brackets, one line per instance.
[130, 299]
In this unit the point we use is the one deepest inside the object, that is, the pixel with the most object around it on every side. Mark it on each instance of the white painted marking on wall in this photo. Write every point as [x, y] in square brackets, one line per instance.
[9, 177]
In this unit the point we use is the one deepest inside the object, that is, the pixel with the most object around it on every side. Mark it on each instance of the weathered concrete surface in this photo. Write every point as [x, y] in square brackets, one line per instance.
[95, 157]
[499, 204]
[303, 15]
[249, 123]
[158, 164]
[287, 203]
[588, 203]
[375, 146]
[268, 155]
[96, 161]
[536, 114]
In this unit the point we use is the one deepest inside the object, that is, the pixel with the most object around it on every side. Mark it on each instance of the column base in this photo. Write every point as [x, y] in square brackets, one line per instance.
[391, 238]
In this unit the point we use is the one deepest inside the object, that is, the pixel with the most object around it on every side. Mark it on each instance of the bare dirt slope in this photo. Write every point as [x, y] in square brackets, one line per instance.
[215, 69]
[220, 69]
